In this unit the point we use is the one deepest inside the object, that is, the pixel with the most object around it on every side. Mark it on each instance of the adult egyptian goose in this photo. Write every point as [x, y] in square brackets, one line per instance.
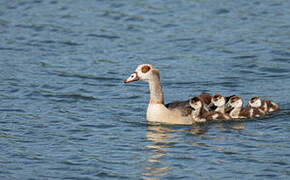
[173, 113]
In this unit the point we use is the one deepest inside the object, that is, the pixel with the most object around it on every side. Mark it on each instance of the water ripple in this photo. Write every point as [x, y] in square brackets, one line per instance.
[64, 95]
[109, 37]
[86, 76]
[274, 70]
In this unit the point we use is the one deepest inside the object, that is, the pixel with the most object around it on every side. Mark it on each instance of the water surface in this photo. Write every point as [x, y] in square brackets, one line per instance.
[66, 114]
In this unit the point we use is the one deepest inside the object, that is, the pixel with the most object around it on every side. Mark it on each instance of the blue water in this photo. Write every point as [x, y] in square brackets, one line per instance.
[66, 114]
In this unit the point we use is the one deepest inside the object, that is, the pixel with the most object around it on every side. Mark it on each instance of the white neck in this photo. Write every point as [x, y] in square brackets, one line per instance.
[221, 109]
[235, 112]
[156, 93]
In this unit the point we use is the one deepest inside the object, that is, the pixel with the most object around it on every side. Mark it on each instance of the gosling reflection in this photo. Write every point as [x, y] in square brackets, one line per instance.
[233, 125]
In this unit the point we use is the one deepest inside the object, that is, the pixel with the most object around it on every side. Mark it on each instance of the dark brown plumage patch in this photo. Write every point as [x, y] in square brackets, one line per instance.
[194, 100]
[145, 69]
[216, 96]
[234, 99]
[206, 98]
[229, 97]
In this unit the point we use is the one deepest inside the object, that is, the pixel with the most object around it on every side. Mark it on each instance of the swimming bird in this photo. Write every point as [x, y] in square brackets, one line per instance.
[219, 113]
[236, 108]
[197, 113]
[157, 111]
[254, 108]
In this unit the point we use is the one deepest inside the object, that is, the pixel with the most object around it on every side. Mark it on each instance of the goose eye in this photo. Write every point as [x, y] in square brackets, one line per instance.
[145, 69]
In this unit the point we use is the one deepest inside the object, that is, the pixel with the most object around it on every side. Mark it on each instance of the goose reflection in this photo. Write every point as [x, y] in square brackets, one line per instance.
[163, 138]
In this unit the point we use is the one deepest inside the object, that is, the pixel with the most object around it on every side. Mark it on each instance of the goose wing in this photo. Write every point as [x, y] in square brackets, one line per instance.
[182, 106]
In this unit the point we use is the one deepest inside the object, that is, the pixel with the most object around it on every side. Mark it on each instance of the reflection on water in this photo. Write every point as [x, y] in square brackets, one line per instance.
[164, 137]
[161, 137]
[232, 125]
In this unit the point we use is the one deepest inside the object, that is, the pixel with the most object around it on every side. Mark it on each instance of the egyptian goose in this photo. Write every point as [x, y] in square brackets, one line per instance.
[254, 108]
[236, 110]
[197, 113]
[219, 101]
[173, 113]
[219, 113]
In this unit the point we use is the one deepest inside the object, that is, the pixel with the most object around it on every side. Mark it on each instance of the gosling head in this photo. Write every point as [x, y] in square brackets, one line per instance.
[195, 103]
[218, 100]
[255, 102]
[236, 101]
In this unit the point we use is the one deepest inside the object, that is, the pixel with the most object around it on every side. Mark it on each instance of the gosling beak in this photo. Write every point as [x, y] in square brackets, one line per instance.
[133, 77]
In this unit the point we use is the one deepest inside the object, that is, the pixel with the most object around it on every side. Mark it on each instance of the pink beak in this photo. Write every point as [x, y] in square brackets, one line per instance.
[133, 77]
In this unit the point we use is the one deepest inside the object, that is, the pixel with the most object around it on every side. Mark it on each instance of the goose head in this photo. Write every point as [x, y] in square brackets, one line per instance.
[255, 102]
[218, 100]
[144, 72]
[236, 101]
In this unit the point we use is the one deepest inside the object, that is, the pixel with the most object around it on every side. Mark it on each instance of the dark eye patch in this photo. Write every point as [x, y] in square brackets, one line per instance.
[253, 99]
[234, 99]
